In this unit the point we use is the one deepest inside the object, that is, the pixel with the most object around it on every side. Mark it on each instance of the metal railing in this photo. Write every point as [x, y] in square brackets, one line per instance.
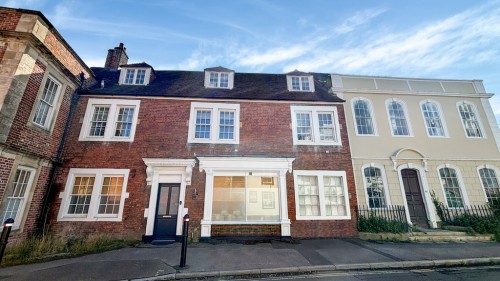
[388, 219]
[450, 216]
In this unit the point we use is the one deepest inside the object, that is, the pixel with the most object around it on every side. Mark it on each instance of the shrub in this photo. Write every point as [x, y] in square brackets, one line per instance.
[376, 224]
[48, 247]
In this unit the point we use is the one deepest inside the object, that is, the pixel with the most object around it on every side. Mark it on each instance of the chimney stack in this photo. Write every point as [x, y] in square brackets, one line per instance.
[116, 57]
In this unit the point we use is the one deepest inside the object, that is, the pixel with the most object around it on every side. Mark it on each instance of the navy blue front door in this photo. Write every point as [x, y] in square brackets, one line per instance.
[166, 211]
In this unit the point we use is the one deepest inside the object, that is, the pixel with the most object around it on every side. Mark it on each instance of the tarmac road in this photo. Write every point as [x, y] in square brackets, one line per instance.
[486, 273]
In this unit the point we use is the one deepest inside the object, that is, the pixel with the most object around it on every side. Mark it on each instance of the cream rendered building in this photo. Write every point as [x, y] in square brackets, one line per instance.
[412, 139]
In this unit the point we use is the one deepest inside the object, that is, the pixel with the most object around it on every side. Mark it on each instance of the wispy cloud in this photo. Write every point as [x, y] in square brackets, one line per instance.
[358, 19]
[461, 38]
[25, 4]
[67, 17]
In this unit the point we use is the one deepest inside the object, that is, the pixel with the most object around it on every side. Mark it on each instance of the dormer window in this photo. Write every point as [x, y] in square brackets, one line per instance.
[135, 74]
[219, 80]
[219, 77]
[300, 82]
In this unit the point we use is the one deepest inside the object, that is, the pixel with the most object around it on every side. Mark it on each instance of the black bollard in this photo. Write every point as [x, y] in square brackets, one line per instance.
[184, 240]
[7, 226]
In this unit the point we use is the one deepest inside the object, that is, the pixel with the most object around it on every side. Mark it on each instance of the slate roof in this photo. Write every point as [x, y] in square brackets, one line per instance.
[190, 84]
[140, 64]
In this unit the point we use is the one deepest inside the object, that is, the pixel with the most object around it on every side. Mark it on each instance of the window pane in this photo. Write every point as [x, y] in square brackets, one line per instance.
[80, 195]
[129, 76]
[15, 196]
[398, 119]
[224, 80]
[364, 122]
[375, 187]
[99, 121]
[110, 195]
[432, 119]
[226, 125]
[305, 83]
[470, 120]
[124, 121]
[139, 79]
[229, 198]
[202, 125]
[295, 83]
[334, 196]
[304, 130]
[451, 187]
[326, 127]
[46, 103]
[489, 180]
[262, 199]
[308, 196]
[214, 77]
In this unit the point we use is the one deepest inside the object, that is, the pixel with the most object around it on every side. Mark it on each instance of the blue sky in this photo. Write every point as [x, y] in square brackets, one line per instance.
[428, 39]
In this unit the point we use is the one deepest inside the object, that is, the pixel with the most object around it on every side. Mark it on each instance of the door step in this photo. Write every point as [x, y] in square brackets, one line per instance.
[441, 237]
[163, 242]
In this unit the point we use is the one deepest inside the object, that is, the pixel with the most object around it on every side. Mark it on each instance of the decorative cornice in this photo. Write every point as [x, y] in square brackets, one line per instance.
[152, 163]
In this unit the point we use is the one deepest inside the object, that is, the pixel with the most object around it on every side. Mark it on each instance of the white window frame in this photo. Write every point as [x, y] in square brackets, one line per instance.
[314, 111]
[407, 117]
[230, 79]
[92, 214]
[384, 181]
[22, 207]
[109, 133]
[372, 113]
[497, 173]
[319, 175]
[51, 113]
[215, 109]
[441, 117]
[123, 74]
[478, 119]
[309, 77]
[465, 198]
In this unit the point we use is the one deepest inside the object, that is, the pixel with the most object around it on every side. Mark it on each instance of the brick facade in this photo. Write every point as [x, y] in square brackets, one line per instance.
[265, 129]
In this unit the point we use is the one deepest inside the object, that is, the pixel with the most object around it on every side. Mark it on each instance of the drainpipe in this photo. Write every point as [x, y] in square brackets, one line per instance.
[57, 163]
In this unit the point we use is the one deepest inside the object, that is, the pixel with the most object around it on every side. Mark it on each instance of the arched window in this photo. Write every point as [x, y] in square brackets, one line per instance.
[489, 180]
[363, 117]
[470, 120]
[398, 119]
[451, 187]
[433, 120]
[375, 187]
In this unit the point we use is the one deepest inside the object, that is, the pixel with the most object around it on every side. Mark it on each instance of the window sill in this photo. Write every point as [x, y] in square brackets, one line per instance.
[106, 139]
[214, 141]
[91, 219]
[323, 218]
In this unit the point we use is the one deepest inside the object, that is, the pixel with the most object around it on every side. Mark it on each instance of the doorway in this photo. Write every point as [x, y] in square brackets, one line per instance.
[414, 200]
[166, 212]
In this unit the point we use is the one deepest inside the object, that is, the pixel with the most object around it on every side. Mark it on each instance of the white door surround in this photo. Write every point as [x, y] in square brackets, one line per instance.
[164, 170]
[211, 165]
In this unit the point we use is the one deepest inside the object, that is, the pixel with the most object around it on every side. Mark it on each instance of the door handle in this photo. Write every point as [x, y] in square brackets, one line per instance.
[166, 216]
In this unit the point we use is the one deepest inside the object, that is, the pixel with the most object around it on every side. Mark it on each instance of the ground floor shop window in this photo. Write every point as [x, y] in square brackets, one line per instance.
[245, 199]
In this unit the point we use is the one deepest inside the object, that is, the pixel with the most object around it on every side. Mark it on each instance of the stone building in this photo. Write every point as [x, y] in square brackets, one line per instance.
[415, 139]
[39, 75]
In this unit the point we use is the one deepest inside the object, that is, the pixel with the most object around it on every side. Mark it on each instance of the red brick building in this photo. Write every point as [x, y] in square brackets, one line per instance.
[38, 79]
[243, 154]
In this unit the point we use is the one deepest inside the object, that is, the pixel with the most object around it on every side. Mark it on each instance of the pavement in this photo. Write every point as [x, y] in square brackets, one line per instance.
[219, 259]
